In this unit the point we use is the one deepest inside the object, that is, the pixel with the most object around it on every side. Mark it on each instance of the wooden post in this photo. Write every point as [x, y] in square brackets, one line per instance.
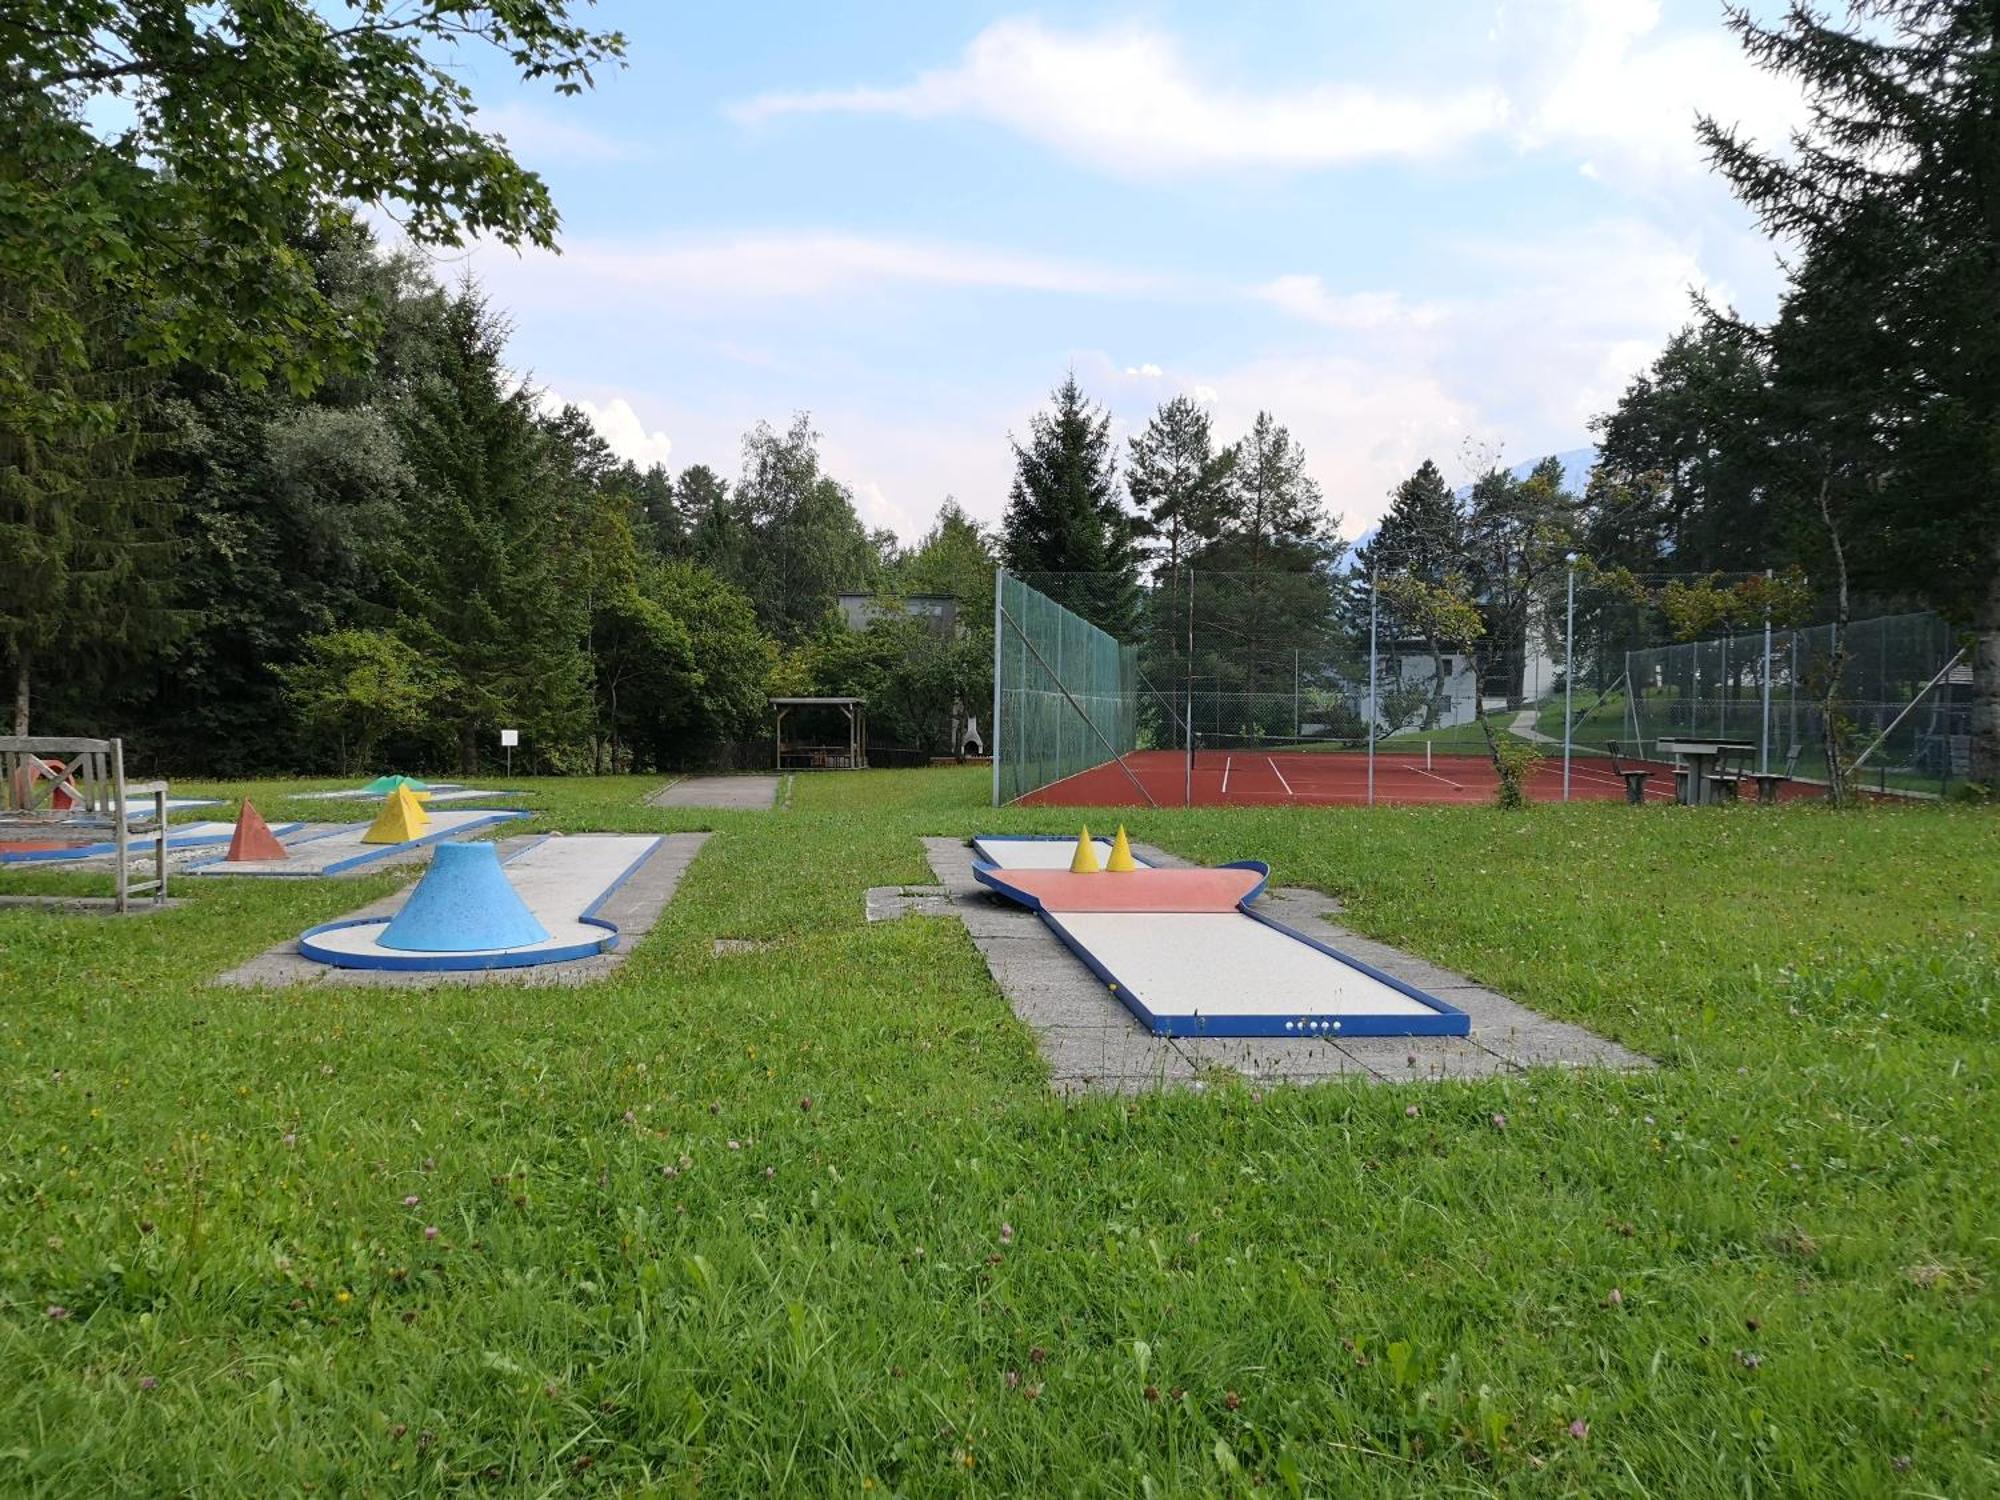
[121, 833]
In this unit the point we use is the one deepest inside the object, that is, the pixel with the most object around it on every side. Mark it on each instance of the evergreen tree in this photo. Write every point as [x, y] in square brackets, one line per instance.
[1064, 517]
[86, 541]
[1677, 486]
[485, 595]
[1266, 594]
[1178, 481]
[708, 518]
[1889, 334]
[1422, 537]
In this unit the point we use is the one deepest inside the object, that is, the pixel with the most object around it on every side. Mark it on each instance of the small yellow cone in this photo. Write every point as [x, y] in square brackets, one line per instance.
[399, 821]
[1085, 862]
[1121, 861]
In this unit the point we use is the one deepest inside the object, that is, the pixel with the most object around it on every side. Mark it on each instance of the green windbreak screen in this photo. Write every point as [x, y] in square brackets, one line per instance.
[1051, 670]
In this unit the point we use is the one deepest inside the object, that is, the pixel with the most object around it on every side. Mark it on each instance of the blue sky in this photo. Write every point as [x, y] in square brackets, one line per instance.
[1454, 228]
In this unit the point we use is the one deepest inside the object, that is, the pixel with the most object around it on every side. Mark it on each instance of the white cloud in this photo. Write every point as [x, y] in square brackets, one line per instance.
[766, 267]
[1601, 79]
[1365, 424]
[1125, 98]
[1308, 298]
[536, 135]
[1147, 371]
[619, 425]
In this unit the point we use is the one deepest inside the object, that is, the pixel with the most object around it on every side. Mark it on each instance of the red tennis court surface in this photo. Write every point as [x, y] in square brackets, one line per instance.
[1339, 779]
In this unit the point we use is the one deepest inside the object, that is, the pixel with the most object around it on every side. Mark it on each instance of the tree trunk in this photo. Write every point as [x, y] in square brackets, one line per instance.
[468, 750]
[23, 679]
[1986, 686]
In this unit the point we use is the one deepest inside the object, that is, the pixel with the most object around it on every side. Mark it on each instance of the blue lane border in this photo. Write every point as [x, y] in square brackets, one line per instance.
[1446, 1019]
[369, 856]
[472, 962]
[195, 865]
[135, 844]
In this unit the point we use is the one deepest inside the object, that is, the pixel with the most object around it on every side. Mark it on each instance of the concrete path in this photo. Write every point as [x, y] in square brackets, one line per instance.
[1093, 1043]
[737, 793]
[635, 906]
[1523, 728]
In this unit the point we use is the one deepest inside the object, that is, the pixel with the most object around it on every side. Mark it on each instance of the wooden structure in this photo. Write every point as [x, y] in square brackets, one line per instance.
[58, 792]
[805, 755]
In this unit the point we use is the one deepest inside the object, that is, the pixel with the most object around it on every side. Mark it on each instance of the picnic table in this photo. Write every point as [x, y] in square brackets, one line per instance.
[1702, 761]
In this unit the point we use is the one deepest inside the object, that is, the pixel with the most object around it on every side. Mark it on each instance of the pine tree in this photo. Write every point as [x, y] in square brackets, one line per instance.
[1266, 596]
[1889, 340]
[1421, 536]
[484, 591]
[1064, 517]
[1178, 481]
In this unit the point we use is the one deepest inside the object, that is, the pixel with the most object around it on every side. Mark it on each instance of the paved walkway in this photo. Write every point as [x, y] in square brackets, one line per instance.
[1523, 727]
[1094, 1044]
[738, 793]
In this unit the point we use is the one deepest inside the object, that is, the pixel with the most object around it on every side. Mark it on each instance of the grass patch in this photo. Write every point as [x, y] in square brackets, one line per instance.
[806, 1219]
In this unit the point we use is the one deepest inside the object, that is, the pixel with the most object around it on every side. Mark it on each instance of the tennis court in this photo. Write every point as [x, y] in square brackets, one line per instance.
[1330, 778]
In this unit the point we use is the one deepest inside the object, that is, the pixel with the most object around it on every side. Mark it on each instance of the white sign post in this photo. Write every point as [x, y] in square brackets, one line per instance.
[509, 738]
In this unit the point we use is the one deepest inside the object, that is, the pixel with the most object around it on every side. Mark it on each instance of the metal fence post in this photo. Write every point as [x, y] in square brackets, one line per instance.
[1569, 674]
[1373, 678]
[1187, 797]
[1764, 736]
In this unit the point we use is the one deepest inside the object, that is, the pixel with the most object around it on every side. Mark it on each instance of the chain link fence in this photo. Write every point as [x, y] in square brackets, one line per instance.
[1581, 666]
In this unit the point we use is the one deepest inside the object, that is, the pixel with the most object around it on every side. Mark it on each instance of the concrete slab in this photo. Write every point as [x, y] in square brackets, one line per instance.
[734, 793]
[885, 903]
[635, 906]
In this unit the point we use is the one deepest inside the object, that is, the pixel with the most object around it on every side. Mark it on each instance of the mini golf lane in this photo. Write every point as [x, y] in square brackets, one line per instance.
[342, 850]
[562, 879]
[31, 849]
[1189, 957]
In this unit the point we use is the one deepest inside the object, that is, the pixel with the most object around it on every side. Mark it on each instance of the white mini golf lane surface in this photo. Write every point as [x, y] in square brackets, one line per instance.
[1183, 966]
[563, 879]
[1034, 853]
[442, 792]
[338, 852]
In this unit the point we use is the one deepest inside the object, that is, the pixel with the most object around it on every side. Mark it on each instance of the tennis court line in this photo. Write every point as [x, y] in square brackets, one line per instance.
[1280, 775]
[1455, 785]
[1227, 762]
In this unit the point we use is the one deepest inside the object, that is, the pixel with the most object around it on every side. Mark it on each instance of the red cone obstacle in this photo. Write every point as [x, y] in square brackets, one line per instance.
[253, 838]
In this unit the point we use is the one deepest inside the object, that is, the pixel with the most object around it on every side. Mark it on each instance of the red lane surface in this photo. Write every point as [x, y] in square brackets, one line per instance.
[1146, 890]
[1329, 779]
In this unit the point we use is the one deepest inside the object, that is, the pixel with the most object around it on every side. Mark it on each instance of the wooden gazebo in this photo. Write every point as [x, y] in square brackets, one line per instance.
[809, 755]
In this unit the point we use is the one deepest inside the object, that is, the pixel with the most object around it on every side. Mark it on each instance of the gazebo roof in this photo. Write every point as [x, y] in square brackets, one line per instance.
[818, 702]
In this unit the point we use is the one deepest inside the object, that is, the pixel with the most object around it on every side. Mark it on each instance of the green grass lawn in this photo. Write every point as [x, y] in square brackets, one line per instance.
[808, 1221]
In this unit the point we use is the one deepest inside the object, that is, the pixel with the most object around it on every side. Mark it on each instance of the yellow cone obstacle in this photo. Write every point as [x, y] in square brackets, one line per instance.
[401, 819]
[1085, 862]
[1121, 861]
[417, 799]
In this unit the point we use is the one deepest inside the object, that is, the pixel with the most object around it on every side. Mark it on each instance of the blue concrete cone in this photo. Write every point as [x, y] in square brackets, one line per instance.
[463, 905]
